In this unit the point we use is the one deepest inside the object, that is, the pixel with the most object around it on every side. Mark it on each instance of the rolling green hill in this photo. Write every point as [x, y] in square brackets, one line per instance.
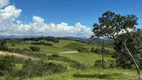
[63, 53]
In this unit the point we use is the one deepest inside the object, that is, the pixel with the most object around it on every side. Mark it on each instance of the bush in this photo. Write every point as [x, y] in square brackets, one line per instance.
[6, 65]
[33, 53]
[72, 63]
[112, 63]
[40, 68]
[99, 50]
[82, 50]
[77, 65]
[98, 63]
[34, 48]
[92, 50]
[107, 64]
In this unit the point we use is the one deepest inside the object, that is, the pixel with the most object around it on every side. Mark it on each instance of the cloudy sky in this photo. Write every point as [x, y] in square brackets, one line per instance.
[60, 18]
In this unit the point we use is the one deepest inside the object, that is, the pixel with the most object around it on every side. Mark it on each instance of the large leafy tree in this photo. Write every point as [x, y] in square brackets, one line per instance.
[134, 43]
[129, 49]
[111, 25]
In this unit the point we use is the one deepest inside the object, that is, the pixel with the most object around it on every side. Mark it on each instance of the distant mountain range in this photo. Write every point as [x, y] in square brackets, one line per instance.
[13, 36]
[6, 37]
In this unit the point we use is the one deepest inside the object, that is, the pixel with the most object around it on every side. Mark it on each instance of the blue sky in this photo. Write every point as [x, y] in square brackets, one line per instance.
[71, 11]
[73, 18]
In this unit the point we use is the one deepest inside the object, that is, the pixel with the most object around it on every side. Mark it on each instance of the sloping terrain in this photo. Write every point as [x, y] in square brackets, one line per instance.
[68, 52]
[17, 55]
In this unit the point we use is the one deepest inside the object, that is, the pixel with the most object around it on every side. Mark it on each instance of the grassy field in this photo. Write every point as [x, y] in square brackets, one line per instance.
[67, 45]
[85, 58]
[92, 74]
[63, 45]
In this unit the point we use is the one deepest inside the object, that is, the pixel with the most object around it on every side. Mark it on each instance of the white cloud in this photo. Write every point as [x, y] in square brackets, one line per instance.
[9, 25]
[37, 19]
[9, 13]
[18, 22]
[38, 28]
[3, 3]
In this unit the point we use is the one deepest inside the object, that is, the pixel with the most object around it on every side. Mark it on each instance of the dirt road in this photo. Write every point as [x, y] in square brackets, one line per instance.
[17, 55]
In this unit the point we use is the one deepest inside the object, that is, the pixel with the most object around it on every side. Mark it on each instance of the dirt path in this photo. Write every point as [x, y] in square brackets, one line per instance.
[17, 55]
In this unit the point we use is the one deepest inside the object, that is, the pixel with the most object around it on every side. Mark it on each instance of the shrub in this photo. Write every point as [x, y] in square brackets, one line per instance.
[112, 63]
[6, 64]
[72, 63]
[107, 64]
[55, 55]
[34, 48]
[82, 50]
[33, 53]
[99, 50]
[98, 63]
[40, 68]
[92, 49]
[3, 45]
[77, 65]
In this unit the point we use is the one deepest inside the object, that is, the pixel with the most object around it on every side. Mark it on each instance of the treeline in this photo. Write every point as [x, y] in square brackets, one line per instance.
[75, 39]
[100, 50]
[42, 43]
[22, 40]
[95, 50]
[52, 39]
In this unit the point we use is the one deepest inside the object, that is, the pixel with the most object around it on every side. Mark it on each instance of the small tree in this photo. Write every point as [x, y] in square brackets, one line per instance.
[6, 64]
[34, 48]
[111, 25]
[3, 44]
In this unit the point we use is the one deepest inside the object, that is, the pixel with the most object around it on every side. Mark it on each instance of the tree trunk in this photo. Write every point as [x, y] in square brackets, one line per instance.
[103, 54]
[136, 65]
[103, 60]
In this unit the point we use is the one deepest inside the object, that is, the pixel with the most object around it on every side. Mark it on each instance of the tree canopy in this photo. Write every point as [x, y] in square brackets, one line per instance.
[111, 24]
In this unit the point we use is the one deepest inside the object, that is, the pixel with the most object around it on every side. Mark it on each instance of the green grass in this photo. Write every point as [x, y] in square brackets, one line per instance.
[18, 66]
[63, 45]
[47, 49]
[85, 58]
[92, 74]
[67, 45]
[82, 57]
[74, 46]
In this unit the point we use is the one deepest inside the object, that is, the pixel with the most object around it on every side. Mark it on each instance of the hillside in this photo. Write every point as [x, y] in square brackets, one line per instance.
[64, 46]
[17, 55]
[79, 65]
